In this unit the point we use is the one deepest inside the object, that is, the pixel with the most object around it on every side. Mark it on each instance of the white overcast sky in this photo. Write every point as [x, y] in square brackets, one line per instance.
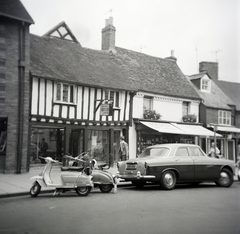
[197, 30]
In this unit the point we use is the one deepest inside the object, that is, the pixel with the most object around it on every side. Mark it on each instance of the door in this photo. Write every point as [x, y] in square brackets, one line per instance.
[77, 142]
[204, 167]
[184, 164]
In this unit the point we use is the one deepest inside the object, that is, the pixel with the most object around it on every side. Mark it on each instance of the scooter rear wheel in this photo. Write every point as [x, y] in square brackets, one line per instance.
[35, 189]
[106, 188]
[83, 191]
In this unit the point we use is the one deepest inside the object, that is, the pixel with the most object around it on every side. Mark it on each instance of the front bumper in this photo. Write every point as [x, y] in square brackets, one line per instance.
[135, 177]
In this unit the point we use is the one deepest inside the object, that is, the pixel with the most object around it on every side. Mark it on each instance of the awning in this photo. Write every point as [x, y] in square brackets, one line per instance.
[228, 129]
[182, 129]
[195, 130]
[163, 127]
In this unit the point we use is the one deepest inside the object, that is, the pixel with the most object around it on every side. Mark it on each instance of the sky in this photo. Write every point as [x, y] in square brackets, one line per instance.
[196, 30]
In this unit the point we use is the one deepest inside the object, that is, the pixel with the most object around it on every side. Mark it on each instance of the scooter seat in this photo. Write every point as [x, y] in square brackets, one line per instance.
[71, 168]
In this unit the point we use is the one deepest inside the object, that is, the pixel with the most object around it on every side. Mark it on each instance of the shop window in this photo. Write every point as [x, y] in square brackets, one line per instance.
[65, 93]
[46, 142]
[98, 145]
[3, 134]
[224, 117]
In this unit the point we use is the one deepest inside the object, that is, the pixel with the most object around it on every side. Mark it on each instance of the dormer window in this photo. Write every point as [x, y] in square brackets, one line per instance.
[206, 85]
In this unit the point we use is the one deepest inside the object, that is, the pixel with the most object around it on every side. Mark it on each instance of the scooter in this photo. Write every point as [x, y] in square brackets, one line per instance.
[102, 179]
[78, 181]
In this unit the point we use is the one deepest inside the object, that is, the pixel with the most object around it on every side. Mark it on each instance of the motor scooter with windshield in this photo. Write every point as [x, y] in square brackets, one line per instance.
[102, 179]
[78, 181]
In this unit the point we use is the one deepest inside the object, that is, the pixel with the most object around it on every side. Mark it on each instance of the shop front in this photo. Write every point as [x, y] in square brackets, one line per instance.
[152, 132]
[101, 142]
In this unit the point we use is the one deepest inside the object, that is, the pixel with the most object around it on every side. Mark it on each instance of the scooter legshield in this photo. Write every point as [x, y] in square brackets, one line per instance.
[39, 179]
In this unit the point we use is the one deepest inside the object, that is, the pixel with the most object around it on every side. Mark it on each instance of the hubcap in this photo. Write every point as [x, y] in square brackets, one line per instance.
[168, 179]
[224, 178]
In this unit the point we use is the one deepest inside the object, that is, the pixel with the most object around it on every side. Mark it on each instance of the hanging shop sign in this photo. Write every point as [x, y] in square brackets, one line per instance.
[104, 109]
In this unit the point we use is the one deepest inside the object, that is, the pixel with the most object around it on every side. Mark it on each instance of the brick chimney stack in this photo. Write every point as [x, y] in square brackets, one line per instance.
[211, 68]
[108, 35]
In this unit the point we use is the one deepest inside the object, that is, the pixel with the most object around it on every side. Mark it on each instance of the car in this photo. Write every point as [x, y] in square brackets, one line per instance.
[170, 164]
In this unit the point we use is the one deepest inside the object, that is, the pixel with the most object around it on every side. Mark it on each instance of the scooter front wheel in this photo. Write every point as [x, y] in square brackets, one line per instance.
[35, 189]
[83, 191]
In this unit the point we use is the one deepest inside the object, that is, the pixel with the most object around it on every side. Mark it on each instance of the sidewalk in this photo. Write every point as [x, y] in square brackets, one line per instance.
[20, 184]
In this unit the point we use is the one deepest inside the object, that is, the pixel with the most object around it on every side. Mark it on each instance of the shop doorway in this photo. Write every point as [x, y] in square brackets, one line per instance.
[98, 145]
[77, 142]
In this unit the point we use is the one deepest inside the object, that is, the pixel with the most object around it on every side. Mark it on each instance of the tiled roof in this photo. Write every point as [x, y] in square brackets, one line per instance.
[216, 98]
[14, 9]
[126, 70]
[232, 89]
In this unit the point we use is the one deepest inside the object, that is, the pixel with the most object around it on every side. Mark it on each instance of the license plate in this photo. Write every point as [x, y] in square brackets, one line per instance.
[131, 167]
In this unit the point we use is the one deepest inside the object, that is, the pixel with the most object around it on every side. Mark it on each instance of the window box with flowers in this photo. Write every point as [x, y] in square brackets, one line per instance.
[190, 118]
[151, 114]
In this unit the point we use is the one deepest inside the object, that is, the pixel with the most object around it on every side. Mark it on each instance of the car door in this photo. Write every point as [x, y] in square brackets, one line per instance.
[184, 164]
[203, 166]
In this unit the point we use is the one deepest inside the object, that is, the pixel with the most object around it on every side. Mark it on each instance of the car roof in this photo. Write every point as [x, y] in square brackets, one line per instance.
[172, 145]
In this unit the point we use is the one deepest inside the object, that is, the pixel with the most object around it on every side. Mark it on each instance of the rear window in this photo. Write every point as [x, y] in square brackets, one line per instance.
[158, 152]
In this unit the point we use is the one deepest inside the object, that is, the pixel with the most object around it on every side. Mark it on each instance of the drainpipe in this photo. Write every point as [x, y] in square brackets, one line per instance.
[21, 70]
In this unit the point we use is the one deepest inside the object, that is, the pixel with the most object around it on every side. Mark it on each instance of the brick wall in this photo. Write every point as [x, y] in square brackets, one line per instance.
[9, 107]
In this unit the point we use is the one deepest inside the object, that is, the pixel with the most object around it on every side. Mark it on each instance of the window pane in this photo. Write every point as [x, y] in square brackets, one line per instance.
[58, 97]
[71, 94]
[65, 93]
[147, 103]
[185, 108]
[182, 152]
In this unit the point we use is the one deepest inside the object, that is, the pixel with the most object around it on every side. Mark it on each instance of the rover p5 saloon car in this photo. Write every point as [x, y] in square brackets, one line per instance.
[169, 164]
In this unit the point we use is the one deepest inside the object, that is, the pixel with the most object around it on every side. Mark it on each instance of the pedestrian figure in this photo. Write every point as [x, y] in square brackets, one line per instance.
[214, 151]
[43, 149]
[123, 150]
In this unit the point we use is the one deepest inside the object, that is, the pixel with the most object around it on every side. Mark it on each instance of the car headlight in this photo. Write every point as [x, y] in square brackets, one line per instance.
[145, 165]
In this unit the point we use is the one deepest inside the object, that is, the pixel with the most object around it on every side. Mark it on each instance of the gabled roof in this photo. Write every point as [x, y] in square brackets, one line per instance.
[198, 76]
[122, 69]
[214, 99]
[61, 31]
[232, 89]
[14, 9]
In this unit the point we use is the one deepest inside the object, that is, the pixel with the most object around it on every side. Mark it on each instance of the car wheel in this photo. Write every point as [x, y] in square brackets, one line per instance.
[168, 180]
[225, 178]
[35, 189]
[83, 191]
[106, 188]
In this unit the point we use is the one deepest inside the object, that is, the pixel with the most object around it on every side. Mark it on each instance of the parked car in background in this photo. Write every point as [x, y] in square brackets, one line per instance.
[169, 164]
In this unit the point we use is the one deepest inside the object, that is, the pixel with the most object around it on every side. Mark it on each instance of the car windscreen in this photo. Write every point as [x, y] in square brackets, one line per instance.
[158, 152]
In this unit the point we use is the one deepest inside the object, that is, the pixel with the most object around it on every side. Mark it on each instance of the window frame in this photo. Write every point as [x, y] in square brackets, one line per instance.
[205, 85]
[65, 89]
[187, 108]
[150, 103]
[224, 117]
[113, 97]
